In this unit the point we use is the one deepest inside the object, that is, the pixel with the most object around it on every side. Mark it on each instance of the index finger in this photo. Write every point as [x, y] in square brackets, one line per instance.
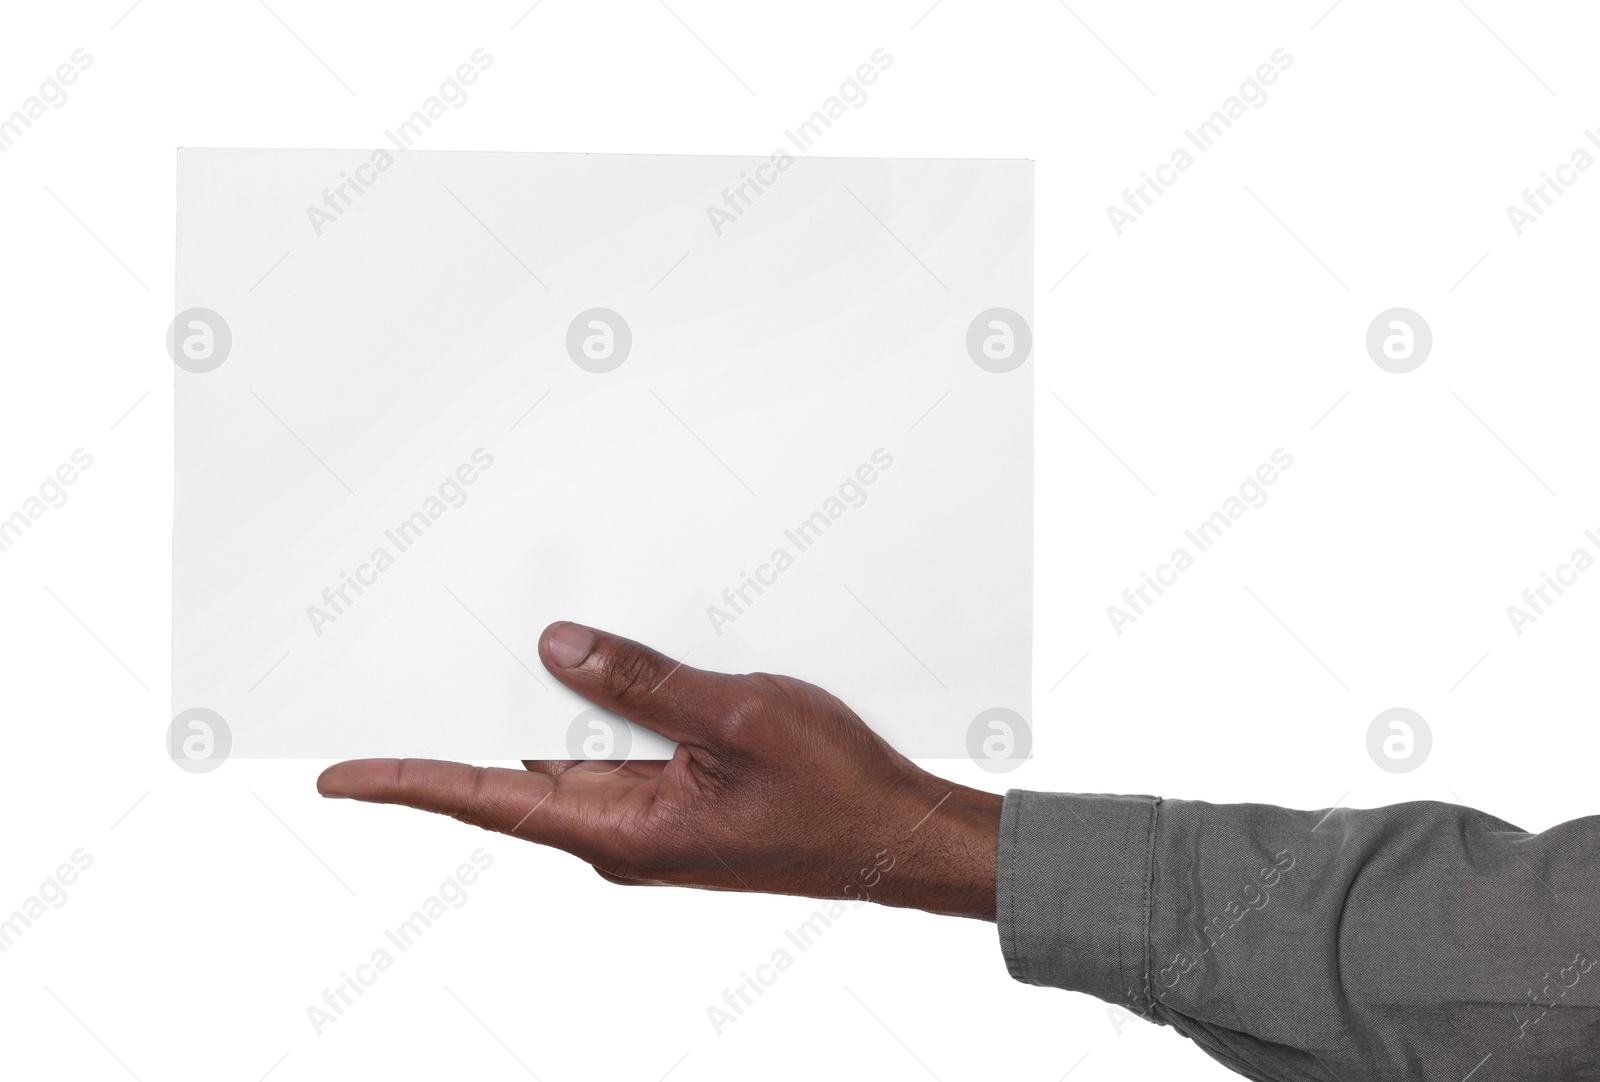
[516, 802]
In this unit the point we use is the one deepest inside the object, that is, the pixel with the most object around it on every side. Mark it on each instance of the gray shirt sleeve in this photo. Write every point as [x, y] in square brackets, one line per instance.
[1421, 941]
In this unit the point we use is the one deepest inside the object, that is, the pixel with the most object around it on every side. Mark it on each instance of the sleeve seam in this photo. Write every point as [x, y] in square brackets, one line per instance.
[1021, 972]
[1146, 1002]
[1122, 911]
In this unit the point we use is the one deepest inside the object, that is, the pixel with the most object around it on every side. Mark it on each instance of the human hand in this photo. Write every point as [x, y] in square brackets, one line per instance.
[775, 786]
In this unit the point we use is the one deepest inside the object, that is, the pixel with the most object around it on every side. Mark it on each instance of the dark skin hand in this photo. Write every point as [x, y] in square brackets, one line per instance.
[776, 786]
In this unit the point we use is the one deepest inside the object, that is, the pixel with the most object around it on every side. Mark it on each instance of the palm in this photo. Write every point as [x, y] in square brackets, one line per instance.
[615, 797]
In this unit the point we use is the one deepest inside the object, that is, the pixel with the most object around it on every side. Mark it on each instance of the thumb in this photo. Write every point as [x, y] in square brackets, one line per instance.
[678, 701]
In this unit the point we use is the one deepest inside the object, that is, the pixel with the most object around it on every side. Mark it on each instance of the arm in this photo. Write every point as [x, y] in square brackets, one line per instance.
[1411, 942]
[1421, 941]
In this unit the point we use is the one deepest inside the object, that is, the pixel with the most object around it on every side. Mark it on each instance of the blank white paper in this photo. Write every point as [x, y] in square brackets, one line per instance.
[761, 414]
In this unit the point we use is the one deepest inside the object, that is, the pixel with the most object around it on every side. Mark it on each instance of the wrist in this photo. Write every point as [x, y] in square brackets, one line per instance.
[944, 859]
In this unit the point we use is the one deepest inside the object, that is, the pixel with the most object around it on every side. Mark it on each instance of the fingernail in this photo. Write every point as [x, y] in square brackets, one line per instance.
[569, 644]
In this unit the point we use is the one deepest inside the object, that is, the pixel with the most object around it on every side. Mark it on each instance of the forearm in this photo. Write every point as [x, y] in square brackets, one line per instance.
[1410, 941]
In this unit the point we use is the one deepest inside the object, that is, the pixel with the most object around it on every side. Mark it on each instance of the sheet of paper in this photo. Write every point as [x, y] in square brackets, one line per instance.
[764, 414]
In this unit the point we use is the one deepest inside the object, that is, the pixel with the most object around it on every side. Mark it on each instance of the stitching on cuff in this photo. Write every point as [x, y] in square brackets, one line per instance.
[1122, 905]
[1010, 846]
[1148, 1003]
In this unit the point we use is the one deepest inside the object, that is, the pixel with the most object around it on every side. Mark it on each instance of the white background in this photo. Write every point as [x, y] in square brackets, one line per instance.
[1227, 322]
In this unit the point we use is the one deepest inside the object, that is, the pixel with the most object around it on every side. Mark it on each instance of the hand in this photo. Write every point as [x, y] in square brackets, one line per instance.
[775, 786]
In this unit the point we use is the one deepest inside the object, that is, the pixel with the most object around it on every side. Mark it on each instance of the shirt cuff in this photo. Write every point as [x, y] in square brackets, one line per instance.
[1073, 892]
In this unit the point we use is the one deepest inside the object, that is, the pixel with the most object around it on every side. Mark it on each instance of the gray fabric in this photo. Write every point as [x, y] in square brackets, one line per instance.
[1422, 941]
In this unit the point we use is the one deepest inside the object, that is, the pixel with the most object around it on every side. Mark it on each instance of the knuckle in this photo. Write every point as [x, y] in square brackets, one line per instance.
[767, 691]
[475, 798]
[630, 672]
[477, 809]
[746, 713]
